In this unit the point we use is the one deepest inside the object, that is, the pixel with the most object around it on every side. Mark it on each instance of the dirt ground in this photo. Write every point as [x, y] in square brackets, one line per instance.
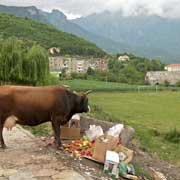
[28, 158]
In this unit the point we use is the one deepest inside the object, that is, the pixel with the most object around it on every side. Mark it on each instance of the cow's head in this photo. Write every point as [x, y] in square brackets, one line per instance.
[83, 105]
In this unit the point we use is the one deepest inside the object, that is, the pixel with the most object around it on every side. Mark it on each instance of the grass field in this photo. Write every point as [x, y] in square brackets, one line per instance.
[102, 86]
[151, 114]
[83, 85]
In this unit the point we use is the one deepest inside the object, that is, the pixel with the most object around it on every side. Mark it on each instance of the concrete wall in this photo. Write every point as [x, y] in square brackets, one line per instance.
[159, 77]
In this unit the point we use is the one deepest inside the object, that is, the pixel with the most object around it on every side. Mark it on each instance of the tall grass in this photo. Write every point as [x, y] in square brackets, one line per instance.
[173, 136]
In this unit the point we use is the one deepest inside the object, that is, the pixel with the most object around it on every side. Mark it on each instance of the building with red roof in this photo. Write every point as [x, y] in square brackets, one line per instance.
[172, 67]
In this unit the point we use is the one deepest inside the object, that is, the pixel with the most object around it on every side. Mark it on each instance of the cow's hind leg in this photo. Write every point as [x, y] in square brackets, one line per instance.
[56, 127]
[1, 136]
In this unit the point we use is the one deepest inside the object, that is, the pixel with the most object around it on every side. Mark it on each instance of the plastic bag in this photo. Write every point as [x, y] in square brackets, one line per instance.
[93, 132]
[115, 130]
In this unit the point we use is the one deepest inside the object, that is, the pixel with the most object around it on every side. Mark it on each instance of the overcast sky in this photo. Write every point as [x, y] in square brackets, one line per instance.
[75, 8]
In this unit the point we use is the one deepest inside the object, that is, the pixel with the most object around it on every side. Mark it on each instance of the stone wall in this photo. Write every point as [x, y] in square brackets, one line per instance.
[159, 77]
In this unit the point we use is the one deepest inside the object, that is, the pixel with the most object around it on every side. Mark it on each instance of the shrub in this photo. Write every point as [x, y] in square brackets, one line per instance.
[173, 136]
[178, 83]
[166, 83]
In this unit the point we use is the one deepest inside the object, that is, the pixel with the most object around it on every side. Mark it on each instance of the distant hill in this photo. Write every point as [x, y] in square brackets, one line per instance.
[147, 36]
[150, 36]
[59, 20]
[45, 35]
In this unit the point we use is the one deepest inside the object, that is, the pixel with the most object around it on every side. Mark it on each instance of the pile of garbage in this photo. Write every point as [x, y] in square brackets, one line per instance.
[105, 148]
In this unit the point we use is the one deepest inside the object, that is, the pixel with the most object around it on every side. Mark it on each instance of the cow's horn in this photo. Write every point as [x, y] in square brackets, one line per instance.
[66, 86]
[88, 92]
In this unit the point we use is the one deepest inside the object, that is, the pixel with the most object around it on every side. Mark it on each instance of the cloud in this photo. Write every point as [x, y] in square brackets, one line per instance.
[165, 8]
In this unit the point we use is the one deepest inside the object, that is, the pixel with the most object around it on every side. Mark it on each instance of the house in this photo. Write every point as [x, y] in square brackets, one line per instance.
[160, 77]
[80, 66]
[123, 58]
[54, 50]
[172, 67]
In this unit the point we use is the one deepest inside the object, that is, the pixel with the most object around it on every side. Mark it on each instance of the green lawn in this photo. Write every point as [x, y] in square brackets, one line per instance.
[102, 86]
[151, 114]
[80, 85]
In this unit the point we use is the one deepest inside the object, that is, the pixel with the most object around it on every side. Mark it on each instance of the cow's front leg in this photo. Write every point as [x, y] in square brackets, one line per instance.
[56, 129]
[1, 136]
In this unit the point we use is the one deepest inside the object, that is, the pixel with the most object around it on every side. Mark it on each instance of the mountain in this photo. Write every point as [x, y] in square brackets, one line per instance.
[148, 35]
[45, 35]
[59, 20]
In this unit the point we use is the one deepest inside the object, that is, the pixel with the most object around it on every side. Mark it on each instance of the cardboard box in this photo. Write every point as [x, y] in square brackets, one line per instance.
[111, 164]
[128, 153]
[101, 145]
[70, 133]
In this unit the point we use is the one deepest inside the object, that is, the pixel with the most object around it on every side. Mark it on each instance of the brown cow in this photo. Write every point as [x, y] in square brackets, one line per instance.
[35, 105]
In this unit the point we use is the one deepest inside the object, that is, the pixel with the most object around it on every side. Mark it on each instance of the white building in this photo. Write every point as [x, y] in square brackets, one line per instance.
[123, 58]
[54, 50]
[80, 66]
[77, 64]
[172, 67]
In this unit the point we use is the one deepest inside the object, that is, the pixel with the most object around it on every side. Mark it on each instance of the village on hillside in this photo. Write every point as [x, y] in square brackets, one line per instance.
[75, 64]
[80, 64]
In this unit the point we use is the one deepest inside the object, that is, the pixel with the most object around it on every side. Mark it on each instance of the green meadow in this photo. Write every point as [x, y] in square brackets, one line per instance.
[153, 115]
[83, 85]
[102, 86]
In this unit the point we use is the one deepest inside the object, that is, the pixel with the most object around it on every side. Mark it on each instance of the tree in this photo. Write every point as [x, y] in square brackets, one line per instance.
[90, 71]
[11, 59]
[20, 63]
[38, 64]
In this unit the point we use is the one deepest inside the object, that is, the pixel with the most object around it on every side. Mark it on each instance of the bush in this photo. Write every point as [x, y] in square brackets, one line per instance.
[178, 83]
[79, 76]
[90, 71]
[166, 83]
[52, 80]
[173, 136]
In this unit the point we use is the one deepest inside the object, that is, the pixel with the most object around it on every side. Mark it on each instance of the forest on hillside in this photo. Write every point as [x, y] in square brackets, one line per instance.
[46, 36]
